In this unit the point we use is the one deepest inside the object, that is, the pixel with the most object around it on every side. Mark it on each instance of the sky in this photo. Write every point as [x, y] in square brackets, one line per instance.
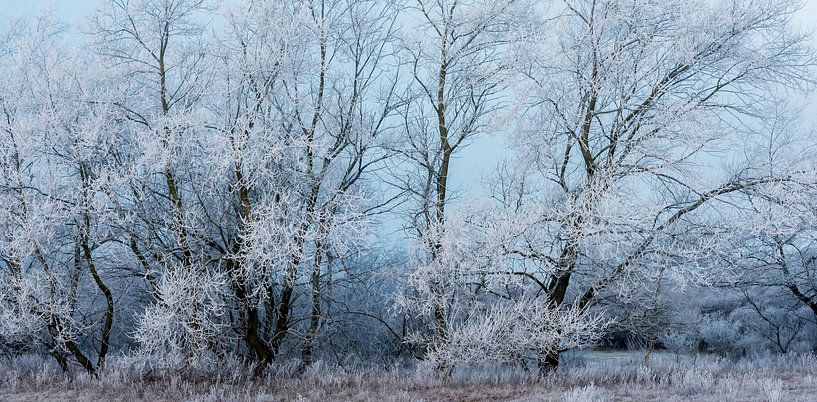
[475, 162]
[68, 10]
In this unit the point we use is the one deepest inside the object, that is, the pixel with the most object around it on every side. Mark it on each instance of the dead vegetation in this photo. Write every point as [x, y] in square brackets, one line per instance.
[594, 378]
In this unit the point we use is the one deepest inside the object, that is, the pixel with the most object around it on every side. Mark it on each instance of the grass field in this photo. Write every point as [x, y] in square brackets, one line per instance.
[588, 376]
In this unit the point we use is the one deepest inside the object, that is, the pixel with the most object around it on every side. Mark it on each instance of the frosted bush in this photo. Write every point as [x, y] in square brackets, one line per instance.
[507, 333]
[188, 322]
[772, 389]
[720, 336]
[590, 393]
[678, 343]
[695, 380]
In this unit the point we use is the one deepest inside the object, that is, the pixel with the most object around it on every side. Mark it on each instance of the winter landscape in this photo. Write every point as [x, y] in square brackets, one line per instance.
[567, 200]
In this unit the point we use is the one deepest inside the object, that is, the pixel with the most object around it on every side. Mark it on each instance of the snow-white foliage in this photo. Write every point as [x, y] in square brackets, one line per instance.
[624, 113]
[461, 282]
[619, 111]
[188, 325]
[200, 180]
[507, 333]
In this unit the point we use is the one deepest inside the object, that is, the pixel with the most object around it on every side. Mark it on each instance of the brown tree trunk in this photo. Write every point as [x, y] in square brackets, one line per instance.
[285, 304]
[106, 291]
[442, 186]
[55, 327]
[558, 284]
[315, 318]
[261, 352]
[548, 361]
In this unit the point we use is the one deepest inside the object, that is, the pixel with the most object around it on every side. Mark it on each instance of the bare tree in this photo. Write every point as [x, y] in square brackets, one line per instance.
[458, 73]
[312, 93]
[206, 178]
[623, 103]
[56, 171]
[267, 142]
[773, 245]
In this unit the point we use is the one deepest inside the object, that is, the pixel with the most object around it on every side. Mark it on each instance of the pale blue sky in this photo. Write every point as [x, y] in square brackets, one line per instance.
[69, 10]
[76, 9]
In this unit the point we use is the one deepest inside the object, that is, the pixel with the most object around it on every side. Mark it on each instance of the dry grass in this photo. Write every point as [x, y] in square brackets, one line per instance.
[594, 378]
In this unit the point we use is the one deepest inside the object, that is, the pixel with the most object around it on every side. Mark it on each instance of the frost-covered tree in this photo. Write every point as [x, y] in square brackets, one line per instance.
[57, 170]
[307, 119]
[771, 256]
[778, 249]
[624, 110]
[204, 179]
[256, 147]
[454, 54]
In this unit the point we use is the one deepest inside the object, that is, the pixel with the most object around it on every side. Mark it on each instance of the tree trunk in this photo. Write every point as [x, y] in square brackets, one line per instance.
[558, 284]
[442, 188]
[548, 361]
[87, 254]
[282, 322]
[315, 318]
[55, 327]
[60, 358]
[261, 352]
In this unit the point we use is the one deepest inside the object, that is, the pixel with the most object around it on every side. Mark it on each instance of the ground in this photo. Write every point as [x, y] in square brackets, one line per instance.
[594, 376]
